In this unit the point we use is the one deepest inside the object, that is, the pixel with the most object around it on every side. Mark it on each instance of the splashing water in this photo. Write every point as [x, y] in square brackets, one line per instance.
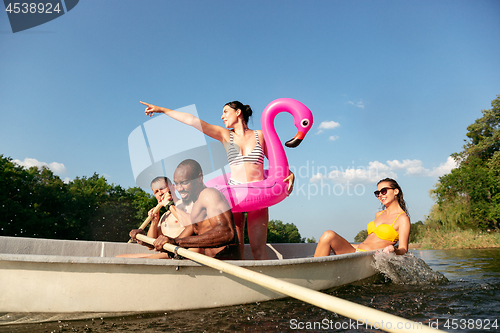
[406, 269]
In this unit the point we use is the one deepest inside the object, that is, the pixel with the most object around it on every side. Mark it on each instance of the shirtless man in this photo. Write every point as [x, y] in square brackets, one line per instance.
[168, 224]
[210, 225]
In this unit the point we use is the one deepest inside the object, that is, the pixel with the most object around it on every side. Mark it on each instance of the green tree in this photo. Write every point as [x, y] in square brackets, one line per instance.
[47, 202]
[469, 196]
[37, 203]
[115, 216]
[14, 211]
[416, 232]
[311, 240]
[361, 236]
[142, 202]
[279, 232]
[108, 212]
[33, 201]
[87, 195]
[484, 135]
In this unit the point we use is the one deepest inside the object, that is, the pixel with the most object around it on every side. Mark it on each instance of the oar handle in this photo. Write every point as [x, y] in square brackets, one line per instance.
[156, 210]
[150, 217]
[358, 312]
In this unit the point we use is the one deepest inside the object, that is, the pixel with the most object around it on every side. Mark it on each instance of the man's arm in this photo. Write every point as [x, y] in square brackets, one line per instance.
[221, 233]
[215, 223]
[188, 231]
[153, 227]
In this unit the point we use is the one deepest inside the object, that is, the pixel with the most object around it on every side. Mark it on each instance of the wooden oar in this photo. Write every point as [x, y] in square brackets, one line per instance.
[360, 313]
[156, 210]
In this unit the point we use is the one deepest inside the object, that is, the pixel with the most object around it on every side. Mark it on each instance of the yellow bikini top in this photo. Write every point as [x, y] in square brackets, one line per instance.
[384, 231]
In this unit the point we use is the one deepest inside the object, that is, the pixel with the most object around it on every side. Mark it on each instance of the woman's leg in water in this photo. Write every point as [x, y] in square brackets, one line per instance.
[330, 240]
[257, 221]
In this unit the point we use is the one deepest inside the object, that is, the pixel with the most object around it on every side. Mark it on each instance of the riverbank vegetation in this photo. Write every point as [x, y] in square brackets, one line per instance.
[467, 209]
[36, 203]
[459, 239]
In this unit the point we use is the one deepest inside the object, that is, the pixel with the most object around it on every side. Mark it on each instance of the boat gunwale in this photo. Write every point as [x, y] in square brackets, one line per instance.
[58, 259]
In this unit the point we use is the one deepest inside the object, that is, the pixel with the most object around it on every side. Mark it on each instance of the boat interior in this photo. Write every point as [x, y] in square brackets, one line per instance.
[78, 248]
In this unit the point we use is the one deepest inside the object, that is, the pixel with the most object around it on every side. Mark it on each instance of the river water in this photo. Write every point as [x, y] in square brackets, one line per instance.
[466, 300]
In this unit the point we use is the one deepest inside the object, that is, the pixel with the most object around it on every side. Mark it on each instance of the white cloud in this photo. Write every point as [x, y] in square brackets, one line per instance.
[412, 167]
[327, 125]
[333, 137]
[415, 167]
[57, 168]
[376, 165]
[317, 177]
[377, 170]
[359, 104]
[445, 167]
[363, 174]
[369, 174]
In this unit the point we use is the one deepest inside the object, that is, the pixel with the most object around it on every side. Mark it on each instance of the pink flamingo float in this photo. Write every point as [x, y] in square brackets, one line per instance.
[271, 190]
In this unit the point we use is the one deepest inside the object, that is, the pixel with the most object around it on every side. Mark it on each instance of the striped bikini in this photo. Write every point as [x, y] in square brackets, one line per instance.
[234, 156]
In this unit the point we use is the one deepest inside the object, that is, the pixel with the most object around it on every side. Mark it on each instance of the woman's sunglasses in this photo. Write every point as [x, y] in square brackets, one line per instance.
[383, 191]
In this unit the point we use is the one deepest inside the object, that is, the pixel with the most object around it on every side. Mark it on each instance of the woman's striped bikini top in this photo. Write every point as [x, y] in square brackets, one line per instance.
[234, 156]
[384, 231]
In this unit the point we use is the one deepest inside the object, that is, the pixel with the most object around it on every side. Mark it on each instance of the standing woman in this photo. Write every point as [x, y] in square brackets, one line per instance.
[245, 152]
[389, 226]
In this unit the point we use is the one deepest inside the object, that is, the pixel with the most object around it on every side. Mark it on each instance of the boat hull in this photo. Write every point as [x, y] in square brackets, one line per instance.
[37, 276]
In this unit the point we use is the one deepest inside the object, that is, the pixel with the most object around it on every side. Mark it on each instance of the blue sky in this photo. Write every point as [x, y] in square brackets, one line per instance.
[392, 86]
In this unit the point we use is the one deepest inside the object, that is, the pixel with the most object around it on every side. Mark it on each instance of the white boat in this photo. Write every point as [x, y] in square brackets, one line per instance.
[63, 276]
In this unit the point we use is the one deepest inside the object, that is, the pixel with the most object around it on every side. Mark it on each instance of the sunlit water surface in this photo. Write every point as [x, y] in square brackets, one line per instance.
[459, 290]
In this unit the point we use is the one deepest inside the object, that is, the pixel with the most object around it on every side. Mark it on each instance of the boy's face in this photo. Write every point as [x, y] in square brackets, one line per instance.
[160, 188]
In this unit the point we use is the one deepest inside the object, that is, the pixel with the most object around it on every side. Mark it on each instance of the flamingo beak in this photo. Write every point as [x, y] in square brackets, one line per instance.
[297, 139]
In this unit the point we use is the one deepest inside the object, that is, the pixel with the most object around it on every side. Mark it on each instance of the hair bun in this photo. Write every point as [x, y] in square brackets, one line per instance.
[248, 110]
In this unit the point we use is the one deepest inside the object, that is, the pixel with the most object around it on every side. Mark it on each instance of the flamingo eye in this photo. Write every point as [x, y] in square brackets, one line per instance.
[304, 123]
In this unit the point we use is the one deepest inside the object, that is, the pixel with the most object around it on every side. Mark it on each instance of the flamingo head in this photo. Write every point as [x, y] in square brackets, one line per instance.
[303, 122]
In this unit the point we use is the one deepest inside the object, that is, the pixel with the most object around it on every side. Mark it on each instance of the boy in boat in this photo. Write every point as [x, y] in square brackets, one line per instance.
[210, 223]
[168, 224]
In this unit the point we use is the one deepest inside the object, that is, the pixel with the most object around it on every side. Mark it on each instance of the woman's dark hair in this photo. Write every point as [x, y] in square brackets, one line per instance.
[246, 110]
[399, 196]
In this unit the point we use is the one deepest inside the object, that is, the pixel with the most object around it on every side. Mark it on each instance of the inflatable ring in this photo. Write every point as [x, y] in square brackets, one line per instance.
[271, 190]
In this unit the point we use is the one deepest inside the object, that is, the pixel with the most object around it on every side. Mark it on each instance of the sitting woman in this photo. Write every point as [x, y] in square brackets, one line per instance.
[390, 226]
